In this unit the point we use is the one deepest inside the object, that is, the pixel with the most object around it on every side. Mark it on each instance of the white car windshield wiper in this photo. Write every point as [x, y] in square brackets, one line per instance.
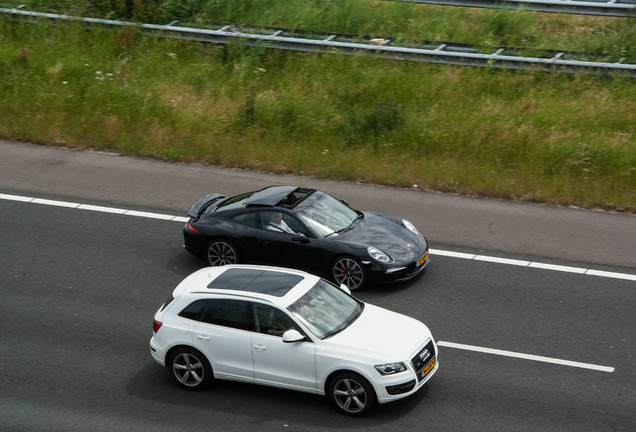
[354, 316]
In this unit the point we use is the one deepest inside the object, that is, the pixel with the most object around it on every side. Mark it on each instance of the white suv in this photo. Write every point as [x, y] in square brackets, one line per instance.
[289, 329]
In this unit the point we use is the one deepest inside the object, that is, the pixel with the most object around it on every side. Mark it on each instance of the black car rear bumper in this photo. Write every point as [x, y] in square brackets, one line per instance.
[194, 242]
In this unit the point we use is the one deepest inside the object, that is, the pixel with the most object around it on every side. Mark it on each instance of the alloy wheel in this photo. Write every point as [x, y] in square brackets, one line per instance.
[350, 396]
[349, 272]
[188, 370]
[221, 253]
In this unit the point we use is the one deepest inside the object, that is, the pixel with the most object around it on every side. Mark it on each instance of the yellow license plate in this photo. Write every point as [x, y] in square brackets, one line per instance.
[421, 260]
[427, 369]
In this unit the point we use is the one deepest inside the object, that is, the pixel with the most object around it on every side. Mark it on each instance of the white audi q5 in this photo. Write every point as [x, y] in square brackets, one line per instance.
[290, 329]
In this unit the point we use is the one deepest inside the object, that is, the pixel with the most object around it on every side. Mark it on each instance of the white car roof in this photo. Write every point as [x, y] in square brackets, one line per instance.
[276, 285]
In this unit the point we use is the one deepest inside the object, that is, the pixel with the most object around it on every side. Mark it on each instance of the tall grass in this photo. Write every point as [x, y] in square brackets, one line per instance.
[534, 136]
[398, 20]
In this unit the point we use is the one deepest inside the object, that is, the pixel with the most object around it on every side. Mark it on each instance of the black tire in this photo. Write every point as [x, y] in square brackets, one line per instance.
[221, 252]
[351, 394]
[190, 369]
[349, 271]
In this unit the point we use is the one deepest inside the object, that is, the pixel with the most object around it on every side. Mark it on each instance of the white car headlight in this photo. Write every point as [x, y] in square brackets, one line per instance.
[411, 227]
[390, 368]
[378, 255]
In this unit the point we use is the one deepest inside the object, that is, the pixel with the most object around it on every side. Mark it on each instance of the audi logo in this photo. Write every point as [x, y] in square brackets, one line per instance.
[424, 355]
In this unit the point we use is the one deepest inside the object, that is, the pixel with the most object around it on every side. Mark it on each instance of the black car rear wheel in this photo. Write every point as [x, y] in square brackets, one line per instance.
[349, 271]
[221, 252]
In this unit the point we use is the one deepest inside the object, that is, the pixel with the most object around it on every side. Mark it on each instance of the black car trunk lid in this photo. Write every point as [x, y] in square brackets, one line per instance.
[207, 203]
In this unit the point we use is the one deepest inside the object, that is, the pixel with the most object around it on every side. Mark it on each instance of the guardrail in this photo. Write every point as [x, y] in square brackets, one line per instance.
[425, 51]
[616, 8]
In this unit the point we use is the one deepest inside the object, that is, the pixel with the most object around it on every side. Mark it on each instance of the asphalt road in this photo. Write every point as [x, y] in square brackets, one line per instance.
[484, 224]
[80, 288]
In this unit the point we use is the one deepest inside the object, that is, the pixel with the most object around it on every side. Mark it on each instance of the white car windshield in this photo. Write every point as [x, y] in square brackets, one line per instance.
[325, 309]
[327, 215]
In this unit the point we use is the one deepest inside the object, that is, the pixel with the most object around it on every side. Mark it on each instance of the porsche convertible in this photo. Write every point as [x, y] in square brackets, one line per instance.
[305, 229]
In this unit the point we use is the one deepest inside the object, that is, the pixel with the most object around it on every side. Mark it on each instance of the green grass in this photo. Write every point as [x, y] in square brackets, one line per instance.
[562, 139]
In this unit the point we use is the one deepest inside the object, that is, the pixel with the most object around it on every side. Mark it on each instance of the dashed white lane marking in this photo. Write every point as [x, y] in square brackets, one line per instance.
[440, 252]
[89, 207]
[539, 265]
[526, 356]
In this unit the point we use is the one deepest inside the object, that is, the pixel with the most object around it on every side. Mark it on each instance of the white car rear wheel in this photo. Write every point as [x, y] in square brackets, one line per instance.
[190, 369]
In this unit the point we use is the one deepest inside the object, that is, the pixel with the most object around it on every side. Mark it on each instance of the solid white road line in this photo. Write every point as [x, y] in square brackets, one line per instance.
[526, 356]
[440, 252]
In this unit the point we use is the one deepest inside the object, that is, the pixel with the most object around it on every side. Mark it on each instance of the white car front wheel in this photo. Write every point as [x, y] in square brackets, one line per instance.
[352, 394]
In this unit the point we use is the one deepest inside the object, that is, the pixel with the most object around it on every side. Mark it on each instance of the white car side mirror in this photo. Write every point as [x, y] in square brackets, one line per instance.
[345, 289]
[291, 336]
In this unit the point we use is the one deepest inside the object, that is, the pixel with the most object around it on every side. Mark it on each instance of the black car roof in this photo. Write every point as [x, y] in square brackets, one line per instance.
[269, 196]
[268, 282]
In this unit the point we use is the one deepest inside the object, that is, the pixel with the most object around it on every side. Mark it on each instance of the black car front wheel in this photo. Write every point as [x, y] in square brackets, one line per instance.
[349, 271]
[190, 369]
[221, 252]
[351, 394]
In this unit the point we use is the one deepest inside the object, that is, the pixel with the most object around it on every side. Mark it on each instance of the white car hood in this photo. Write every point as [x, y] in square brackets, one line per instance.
[382, 335]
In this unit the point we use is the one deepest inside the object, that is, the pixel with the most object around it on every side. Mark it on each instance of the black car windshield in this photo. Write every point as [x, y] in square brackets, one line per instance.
[327, 215]
[326, 310]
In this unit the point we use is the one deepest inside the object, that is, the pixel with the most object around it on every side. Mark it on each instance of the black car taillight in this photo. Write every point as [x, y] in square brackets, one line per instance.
[156, 325]
[190, 227]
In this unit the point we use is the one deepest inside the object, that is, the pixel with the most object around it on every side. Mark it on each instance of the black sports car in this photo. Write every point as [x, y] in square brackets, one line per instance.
[306, 229]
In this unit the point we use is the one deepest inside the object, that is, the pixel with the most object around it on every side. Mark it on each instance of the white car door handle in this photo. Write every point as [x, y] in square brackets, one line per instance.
[260, 347]
[204, 337]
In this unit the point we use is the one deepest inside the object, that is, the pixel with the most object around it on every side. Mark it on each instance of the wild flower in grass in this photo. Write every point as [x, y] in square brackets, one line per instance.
[101, 76]
[171, 55]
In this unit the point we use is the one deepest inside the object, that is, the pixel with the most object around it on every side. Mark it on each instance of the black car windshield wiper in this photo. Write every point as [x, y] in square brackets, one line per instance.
[347, 228]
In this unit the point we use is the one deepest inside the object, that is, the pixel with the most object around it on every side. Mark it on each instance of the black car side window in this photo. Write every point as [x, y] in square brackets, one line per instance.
[296, 226]
[282, 223]
[228, 313]
[247, 219]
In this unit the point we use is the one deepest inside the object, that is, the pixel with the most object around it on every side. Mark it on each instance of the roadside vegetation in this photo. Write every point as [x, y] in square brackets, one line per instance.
[544, 137]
